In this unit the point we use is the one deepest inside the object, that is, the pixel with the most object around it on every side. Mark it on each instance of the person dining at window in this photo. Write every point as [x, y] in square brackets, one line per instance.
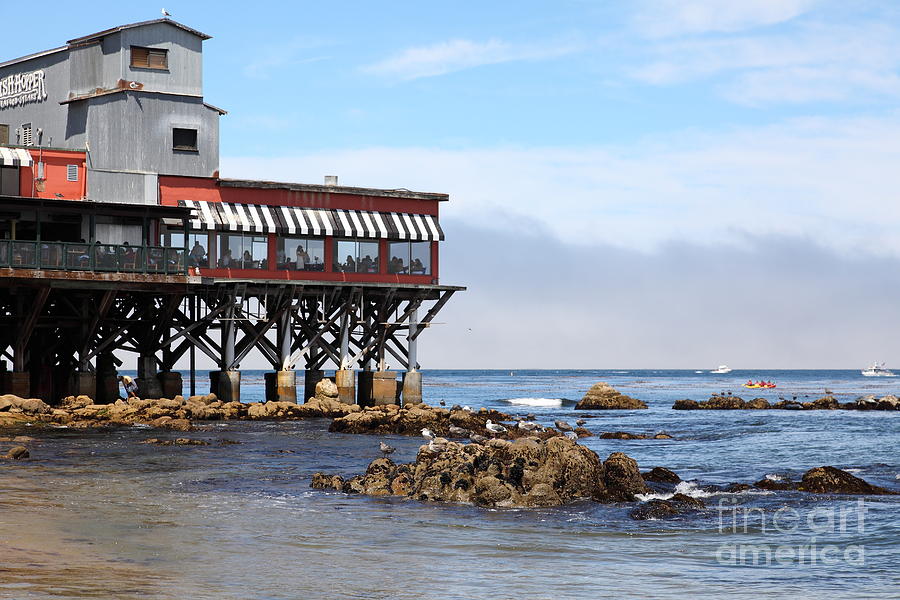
[247, 260]
[198, 255]
[349, 265]
[226, 261]
[416, 267]
[302, 258]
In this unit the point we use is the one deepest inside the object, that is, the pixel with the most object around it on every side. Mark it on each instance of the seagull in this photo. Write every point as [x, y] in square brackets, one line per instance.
[458, 432]
[165, 13]
[467, 408]
[385, 449]
[580, 422]
[437, 445]
[455, 408]
[478, 439]
[563, 426]
[528, 425]
[571, 435]
[442, 403]
[427, 434]
[494, 427]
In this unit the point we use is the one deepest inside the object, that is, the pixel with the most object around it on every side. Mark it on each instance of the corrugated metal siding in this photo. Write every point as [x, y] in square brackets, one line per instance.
[185, 72]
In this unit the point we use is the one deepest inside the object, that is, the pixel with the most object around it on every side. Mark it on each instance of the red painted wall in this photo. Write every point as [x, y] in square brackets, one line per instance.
[55, 170]
[172, 189]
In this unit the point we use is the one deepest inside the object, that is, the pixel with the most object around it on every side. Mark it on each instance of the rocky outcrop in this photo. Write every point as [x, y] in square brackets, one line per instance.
[726, 402]
[316, 407]
[176, 442]
[527, 472]
[326, 389]
[624, 435]
[661, 475]
[17, 453]
[829, 480]
[664, 509]
[27, 406]
[603, 396]
[450, 423]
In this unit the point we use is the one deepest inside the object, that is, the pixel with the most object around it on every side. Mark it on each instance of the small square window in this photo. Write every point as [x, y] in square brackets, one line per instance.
[4, 134]
[149, 58]
[71, 172]
[26, 139]
[184, 139]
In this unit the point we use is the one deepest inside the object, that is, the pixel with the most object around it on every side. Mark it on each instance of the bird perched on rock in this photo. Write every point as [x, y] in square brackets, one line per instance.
[562, 426]
[478, 439]
[427, 434]
[571, 435]
[438, 445]
[458, 432]
[530, 417]
[528, 425]
[442, 403]
[467, 408]
[494, 427]
[385, 449]
[455, 408]
[581, 422]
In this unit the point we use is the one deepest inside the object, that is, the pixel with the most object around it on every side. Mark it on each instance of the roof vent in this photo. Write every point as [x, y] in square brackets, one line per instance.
[331, 180]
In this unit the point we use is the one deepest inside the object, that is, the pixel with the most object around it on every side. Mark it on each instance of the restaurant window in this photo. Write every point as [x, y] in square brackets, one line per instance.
[356, 256]
[300, 254]
[197, 246]
[410, 258]
[149, 58]
[184, 139]
[238, 251]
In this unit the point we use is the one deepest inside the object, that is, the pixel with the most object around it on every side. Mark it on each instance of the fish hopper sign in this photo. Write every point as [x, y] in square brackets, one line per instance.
[22, 88]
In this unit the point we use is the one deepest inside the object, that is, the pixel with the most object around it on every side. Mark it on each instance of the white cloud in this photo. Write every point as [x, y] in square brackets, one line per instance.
[458, 55]
[814, 62]
[828, 179]
[661, 18]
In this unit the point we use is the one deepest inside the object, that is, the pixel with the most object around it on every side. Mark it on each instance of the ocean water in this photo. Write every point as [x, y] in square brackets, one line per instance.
[96, 514]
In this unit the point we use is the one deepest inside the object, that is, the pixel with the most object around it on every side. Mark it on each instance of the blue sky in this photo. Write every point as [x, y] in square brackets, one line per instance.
[710, 130]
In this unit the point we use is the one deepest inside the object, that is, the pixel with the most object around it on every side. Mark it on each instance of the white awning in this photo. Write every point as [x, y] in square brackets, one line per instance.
[293, 220]
[15, 157]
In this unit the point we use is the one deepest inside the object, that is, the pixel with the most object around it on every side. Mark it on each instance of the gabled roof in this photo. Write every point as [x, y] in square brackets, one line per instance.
[100, 34]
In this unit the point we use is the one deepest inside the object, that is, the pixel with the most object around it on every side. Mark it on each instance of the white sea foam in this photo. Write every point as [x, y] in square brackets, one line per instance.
[688, 488]
[546, 402]
[853, 470]
[773, 477]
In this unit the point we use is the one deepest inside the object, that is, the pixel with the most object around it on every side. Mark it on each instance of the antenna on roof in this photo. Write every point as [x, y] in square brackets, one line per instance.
[165, 13]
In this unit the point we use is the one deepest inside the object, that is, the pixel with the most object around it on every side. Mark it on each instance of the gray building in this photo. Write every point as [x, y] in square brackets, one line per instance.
[130, 96]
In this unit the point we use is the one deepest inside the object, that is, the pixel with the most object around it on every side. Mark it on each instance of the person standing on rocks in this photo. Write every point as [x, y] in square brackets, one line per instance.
[130, 386]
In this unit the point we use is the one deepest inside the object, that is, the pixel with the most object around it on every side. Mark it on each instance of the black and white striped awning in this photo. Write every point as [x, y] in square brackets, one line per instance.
[293, 220]
[15, 157]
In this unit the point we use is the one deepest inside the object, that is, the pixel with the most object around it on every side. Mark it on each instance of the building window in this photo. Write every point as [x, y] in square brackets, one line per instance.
[149, 58]
[197, 244]
[9, 181]
[238, 251]
[71, 172]
[26, 139]
[184, 139]
[300, 254]
[4, 134]
[356, 256]
[410, 258]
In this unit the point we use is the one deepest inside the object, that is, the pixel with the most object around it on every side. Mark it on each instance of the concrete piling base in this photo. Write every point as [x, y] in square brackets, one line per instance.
[412, 388]
[19, 384]
[147, 380]
[171, 384]
[226, 385]
[108, 388]
[364, 388]
[83, 384]
[281, 386]
[384, 388]
[344, 379]
[311, 377]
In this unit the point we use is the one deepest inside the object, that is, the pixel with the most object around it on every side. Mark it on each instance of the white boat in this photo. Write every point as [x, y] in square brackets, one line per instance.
[721, 370]
[878, 370]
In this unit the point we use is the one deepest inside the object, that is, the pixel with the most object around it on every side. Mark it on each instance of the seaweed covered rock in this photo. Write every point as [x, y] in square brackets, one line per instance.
[830, 480]
[603, 396]
[661, 475]
[526, 472]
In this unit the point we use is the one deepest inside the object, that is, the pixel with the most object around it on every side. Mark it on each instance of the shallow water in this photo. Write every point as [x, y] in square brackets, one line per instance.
[96, 514]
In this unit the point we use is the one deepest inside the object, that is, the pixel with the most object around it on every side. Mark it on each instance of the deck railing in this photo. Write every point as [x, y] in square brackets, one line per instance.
[114, 258]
